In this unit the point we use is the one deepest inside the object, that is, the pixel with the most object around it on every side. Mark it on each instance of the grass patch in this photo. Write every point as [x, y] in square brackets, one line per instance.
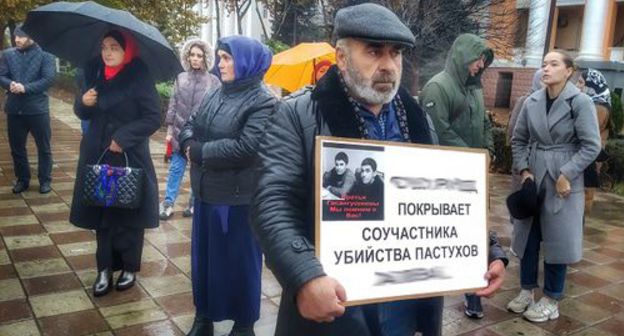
[618, 188]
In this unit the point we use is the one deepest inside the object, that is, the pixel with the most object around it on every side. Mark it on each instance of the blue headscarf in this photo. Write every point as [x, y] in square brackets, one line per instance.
[251, 58]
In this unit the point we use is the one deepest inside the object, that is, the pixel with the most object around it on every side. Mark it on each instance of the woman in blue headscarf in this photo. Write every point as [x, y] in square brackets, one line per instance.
[221, 140]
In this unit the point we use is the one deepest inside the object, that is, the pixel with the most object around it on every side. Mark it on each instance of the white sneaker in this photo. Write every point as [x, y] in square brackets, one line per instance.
[166, 210]
[545, 309]
[521, 302]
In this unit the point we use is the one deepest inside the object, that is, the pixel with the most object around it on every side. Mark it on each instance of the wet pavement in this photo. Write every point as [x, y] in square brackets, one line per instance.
[47, 266]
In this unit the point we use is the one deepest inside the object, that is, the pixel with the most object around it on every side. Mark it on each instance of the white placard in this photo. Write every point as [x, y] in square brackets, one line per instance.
[415, 227]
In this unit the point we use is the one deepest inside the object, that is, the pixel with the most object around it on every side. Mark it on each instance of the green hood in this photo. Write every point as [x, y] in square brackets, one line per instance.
[466, 49]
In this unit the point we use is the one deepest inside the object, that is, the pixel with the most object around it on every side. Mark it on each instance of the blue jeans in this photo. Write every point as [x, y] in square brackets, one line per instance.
[176, 174]
[554, 274]
[402, 318]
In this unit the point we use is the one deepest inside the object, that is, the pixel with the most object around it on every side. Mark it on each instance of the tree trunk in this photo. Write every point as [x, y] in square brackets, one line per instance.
[241, 11]
[239, 19]
[264, 31]
[2, 30]
[294, 39]
[12, 31]
[217, 11]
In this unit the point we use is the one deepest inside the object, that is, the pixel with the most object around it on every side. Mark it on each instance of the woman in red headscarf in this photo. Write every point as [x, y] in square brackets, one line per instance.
[120, 101]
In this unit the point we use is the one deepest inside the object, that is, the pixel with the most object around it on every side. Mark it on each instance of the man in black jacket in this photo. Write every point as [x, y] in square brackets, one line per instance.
[26, 73]
[358, 98]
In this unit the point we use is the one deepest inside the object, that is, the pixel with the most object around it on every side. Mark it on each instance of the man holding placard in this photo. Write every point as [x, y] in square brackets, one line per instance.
[358, 98]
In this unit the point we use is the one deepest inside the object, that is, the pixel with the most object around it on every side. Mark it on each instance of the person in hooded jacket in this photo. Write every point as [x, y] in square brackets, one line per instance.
[188, 91]
[119, 99]
[221, 141]
[454, 100]
[454, 97]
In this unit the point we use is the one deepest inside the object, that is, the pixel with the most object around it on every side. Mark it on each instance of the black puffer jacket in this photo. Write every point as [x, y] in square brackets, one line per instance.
[283, 206]
[229, 124]
[34, 68]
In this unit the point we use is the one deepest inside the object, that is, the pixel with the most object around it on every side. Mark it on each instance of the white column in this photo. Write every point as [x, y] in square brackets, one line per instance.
[595, 22]
[230, 22]
[536, 34]
[249, 21]
[206, 28]
[213, 26]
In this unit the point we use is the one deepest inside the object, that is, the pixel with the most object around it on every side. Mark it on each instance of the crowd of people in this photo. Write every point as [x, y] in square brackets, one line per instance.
[251, 158]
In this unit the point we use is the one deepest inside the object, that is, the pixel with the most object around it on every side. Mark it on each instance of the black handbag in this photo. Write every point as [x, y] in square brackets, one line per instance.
[112, 187]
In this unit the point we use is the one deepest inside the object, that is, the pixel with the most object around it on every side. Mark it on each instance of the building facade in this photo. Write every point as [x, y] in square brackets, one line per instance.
[592, 31]
[222, 21]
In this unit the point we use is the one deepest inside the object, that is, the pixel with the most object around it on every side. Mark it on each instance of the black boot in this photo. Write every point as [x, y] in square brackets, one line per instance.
[240, 330]
[201, 327]
[103, 283]
[126, 280]
[45, 188]
[20, 186]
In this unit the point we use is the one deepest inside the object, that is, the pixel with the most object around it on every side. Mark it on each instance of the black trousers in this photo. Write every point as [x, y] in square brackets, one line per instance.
[39, 126]
[119, 248]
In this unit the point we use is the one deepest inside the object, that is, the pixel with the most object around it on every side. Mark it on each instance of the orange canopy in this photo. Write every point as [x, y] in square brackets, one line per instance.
[293, 69]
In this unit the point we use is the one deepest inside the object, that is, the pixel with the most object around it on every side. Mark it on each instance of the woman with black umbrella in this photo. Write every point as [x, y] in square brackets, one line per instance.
[119, 99]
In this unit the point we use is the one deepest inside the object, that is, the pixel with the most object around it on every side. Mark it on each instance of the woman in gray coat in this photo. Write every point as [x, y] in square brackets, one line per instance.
[555, 138]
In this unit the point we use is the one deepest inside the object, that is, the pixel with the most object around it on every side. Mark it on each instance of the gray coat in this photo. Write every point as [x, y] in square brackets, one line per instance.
[563, 141]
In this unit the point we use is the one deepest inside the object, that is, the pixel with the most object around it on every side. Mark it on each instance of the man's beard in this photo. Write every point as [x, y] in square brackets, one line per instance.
[362, 89]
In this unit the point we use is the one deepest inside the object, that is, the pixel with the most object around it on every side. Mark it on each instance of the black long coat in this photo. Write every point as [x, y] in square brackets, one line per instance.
[128, 111]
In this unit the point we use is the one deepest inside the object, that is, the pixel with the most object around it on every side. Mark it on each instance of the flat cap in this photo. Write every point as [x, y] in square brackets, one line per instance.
[372, 22]
[19, 32]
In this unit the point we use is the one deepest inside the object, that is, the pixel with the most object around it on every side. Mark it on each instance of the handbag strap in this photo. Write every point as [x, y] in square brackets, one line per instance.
[106, 151]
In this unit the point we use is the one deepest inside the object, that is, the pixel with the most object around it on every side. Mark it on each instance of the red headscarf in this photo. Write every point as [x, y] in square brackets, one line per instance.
[130, 52]
[323, 66]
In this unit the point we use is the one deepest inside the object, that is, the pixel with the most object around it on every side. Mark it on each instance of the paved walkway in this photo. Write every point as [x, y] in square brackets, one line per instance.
[47, 265]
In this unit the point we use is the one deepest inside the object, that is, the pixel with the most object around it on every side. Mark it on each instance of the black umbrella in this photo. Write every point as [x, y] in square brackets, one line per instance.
[74, 30]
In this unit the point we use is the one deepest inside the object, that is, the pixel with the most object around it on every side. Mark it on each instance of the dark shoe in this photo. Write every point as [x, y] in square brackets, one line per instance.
[188, 212]
[242, 331]
[201, 327]
[103, 283]
[45, 188]
[473, 308]
[125, 280]
[20, 186]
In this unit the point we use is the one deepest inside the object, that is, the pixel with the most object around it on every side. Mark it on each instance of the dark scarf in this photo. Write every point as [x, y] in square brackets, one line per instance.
[344, 121]
[596, 87]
